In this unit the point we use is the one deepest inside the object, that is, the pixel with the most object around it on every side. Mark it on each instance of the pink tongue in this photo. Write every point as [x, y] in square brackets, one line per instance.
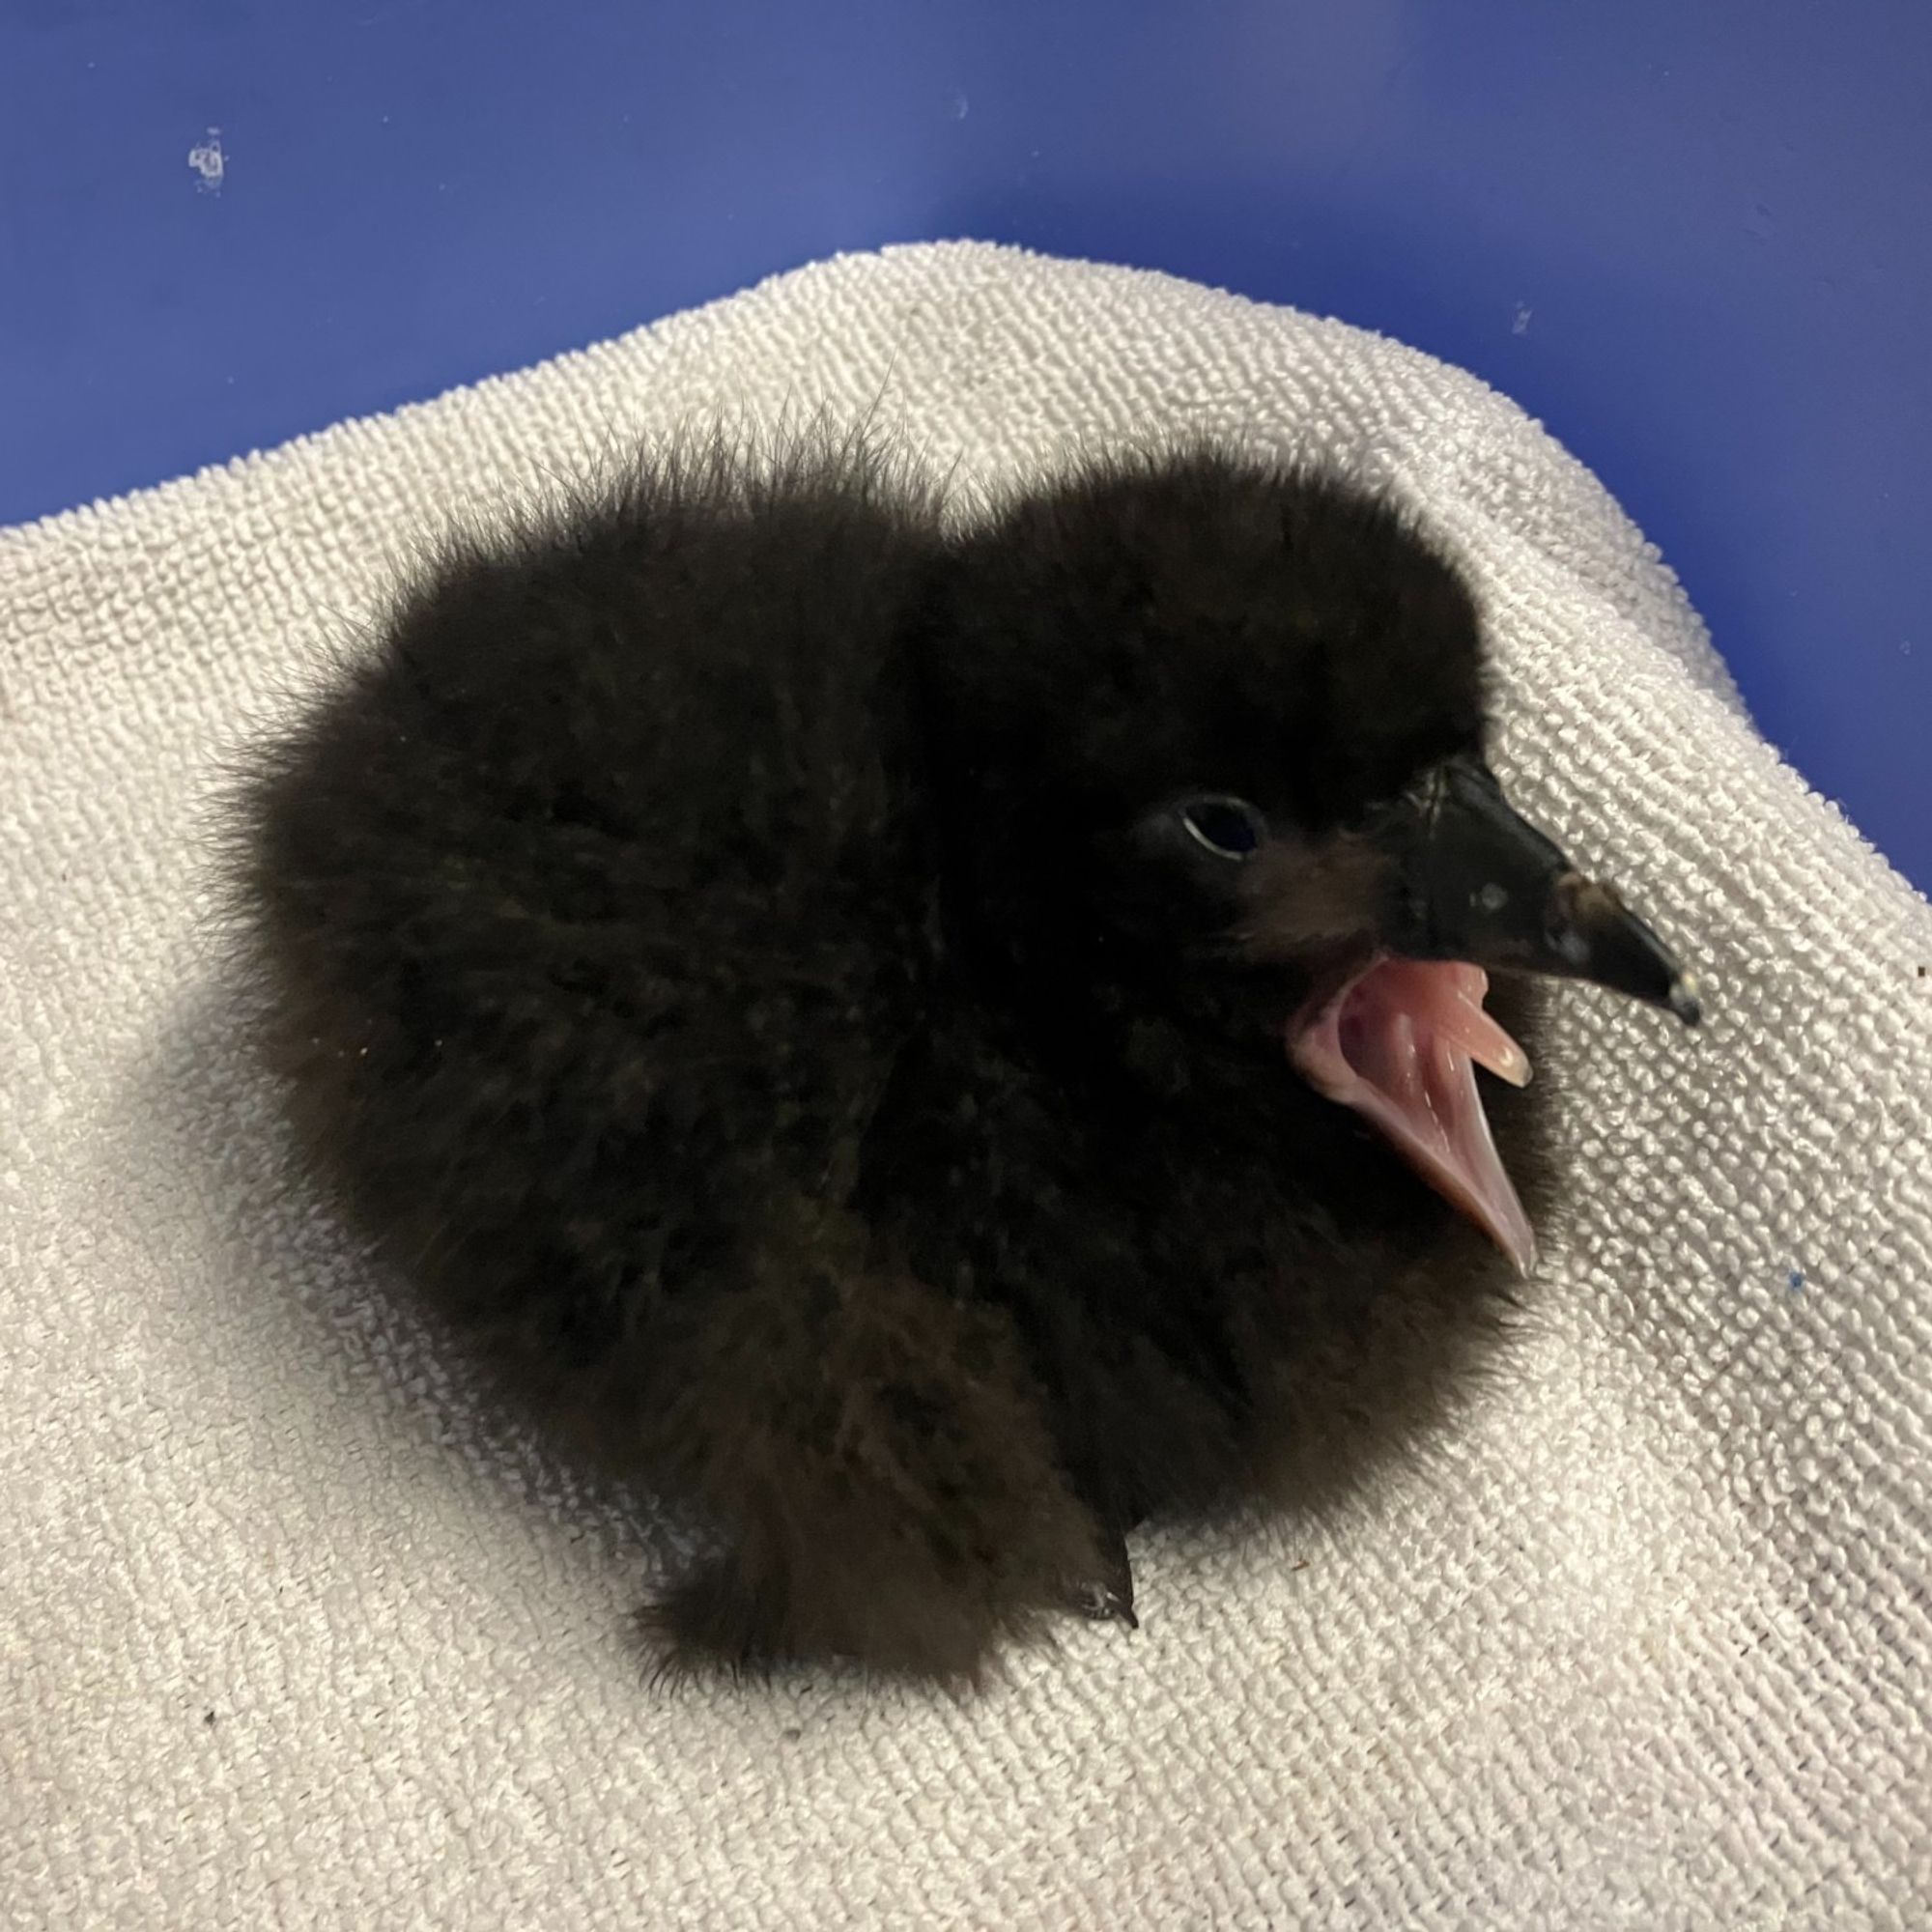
[1401, 1045]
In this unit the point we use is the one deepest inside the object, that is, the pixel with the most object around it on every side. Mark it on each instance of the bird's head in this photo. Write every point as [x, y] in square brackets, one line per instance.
[1211, 737]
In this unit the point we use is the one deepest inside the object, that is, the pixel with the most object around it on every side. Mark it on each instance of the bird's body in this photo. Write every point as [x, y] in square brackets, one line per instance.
[736, 946]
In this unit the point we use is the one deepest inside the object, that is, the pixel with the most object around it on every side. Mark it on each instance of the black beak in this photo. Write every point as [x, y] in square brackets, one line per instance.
[1475, 880]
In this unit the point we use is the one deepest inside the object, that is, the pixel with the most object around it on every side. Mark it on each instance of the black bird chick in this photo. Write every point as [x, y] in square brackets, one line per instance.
[932, 1047]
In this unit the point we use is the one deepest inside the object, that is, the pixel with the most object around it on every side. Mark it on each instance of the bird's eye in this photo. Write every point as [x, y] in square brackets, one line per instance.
[1230, 828]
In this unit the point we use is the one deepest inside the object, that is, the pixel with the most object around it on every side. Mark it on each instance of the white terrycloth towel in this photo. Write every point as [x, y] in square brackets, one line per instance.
[294, 1638]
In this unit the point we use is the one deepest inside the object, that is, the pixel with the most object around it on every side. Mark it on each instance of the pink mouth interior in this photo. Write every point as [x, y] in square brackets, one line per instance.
[1400, 1043]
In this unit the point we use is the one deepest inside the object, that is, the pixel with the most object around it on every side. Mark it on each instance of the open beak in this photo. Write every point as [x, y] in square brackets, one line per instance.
[1472, 887]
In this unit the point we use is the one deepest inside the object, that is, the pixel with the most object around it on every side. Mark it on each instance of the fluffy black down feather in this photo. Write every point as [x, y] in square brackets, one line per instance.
[715, 945]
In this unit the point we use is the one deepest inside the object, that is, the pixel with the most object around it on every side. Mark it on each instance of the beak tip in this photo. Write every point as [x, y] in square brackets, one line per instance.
[1685, 999]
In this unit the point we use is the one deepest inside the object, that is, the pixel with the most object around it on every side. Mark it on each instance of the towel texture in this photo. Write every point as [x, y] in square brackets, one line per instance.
[292, 1637]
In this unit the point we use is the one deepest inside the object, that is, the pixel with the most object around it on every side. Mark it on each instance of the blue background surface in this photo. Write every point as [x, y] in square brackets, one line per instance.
[1696, 239]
